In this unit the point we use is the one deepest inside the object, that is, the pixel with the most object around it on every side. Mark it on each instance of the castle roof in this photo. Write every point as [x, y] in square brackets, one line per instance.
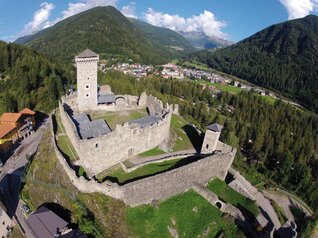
[87, 54]
[5, 129]
[215, 127]
[145, 121]
[90, 129]
[106, 98]
[10, 117]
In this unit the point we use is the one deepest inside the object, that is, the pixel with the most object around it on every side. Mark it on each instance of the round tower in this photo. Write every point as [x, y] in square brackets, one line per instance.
[86, 64]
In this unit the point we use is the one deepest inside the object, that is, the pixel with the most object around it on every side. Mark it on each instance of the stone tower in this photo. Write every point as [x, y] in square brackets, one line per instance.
[211, 138]
[86, 64]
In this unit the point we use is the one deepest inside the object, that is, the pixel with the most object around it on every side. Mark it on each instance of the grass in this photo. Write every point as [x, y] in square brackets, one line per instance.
[65, 145]
[153, 152]
[229, 195]
[270, 100]
[16, 233]
[47, 183]
[63, 142]
[223, 87]
[189, 214]
[280, 212]
[184, 132]
[120, 176]
[114, 118]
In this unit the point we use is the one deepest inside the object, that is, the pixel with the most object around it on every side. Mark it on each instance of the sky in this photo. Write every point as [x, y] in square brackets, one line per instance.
[229, 19]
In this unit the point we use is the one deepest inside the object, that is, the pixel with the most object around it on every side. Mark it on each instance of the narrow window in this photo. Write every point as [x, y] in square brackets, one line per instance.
[87, 95]
[87, 86]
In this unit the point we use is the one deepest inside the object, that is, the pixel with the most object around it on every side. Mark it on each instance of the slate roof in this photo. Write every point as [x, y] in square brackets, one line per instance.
[106, 98]
[45, 223]
[87, 54]
[146, 121]
[215, 127]
[90, 129]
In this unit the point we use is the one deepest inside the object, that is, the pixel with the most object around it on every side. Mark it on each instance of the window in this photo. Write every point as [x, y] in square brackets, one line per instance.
[207, 146]
[87, 86]
[87, 95]
[87, 77]
[96, 145]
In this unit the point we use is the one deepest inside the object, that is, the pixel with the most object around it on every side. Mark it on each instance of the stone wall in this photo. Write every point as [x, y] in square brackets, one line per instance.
[159, 187]
[171, 183]
[98, 154]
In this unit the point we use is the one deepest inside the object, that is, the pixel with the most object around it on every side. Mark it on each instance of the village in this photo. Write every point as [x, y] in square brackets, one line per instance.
[214, 82]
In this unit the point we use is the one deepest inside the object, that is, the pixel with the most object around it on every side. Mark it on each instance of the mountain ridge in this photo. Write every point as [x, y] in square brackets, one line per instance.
[102, 29]
[282, 57]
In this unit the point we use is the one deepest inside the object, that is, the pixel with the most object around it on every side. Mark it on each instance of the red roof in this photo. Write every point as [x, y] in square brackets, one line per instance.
[10, 117]
[5, 129]
[27, 111]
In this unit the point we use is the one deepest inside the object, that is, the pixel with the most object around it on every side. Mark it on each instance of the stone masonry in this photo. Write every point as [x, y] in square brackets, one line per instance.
[127, 140]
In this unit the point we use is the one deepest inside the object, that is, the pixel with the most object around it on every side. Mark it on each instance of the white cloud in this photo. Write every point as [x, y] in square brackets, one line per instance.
[40, 19]
[206, 22]
[80, 6]
[129, 10]
[299, 8]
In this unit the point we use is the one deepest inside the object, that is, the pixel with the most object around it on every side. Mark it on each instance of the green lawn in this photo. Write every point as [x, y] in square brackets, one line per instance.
[152, 152]
[189, 214]
[113, 118]
[184, 132]
[229, 195]
[267, 98]
[63, 142]
[280, 212]
[223, 87]
[120, 176]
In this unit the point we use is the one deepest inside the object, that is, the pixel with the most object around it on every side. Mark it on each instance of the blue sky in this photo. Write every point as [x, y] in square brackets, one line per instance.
[230, 19]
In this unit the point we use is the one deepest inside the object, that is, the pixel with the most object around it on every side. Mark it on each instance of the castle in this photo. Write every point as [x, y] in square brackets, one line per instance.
[97, 145]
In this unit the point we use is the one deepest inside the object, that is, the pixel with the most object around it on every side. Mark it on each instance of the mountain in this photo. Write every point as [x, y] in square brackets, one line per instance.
[202, 41]
[163, 36]
[282, 57]
[108, 32]
[29, 79]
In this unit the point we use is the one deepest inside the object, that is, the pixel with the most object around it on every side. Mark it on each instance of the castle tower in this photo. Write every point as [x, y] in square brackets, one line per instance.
[211, 138]
[86, 64]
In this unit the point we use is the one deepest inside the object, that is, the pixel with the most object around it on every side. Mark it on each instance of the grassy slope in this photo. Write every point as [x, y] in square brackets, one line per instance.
[63, 141]
[113, 118]
[183, 142]
[46, 182]
[120, 176]
[227, 194]
[191, 213]
[152, 152]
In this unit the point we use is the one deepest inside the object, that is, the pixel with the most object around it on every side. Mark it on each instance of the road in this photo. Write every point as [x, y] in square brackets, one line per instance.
[13, 171]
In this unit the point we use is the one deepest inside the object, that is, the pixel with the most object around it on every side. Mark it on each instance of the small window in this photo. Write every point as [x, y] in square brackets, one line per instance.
[87, 95]
[96, 145]
[87, 77]
[87, 86]
[207, 146]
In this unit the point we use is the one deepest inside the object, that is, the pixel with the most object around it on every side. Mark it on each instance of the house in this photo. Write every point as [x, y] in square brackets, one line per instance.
[5, 222]
[28, 116]
[46, 224]
[8, 134]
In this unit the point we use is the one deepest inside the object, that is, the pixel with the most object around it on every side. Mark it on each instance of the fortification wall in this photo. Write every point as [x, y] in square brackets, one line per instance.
[158, 187]
[171, 183]
[98, 154]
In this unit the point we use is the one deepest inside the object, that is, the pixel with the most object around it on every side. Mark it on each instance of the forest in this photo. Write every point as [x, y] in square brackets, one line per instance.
[29, 79]
[282, 57]
[282, 139]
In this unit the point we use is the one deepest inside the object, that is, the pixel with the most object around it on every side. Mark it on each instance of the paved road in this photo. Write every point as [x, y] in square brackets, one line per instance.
[11, 174]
